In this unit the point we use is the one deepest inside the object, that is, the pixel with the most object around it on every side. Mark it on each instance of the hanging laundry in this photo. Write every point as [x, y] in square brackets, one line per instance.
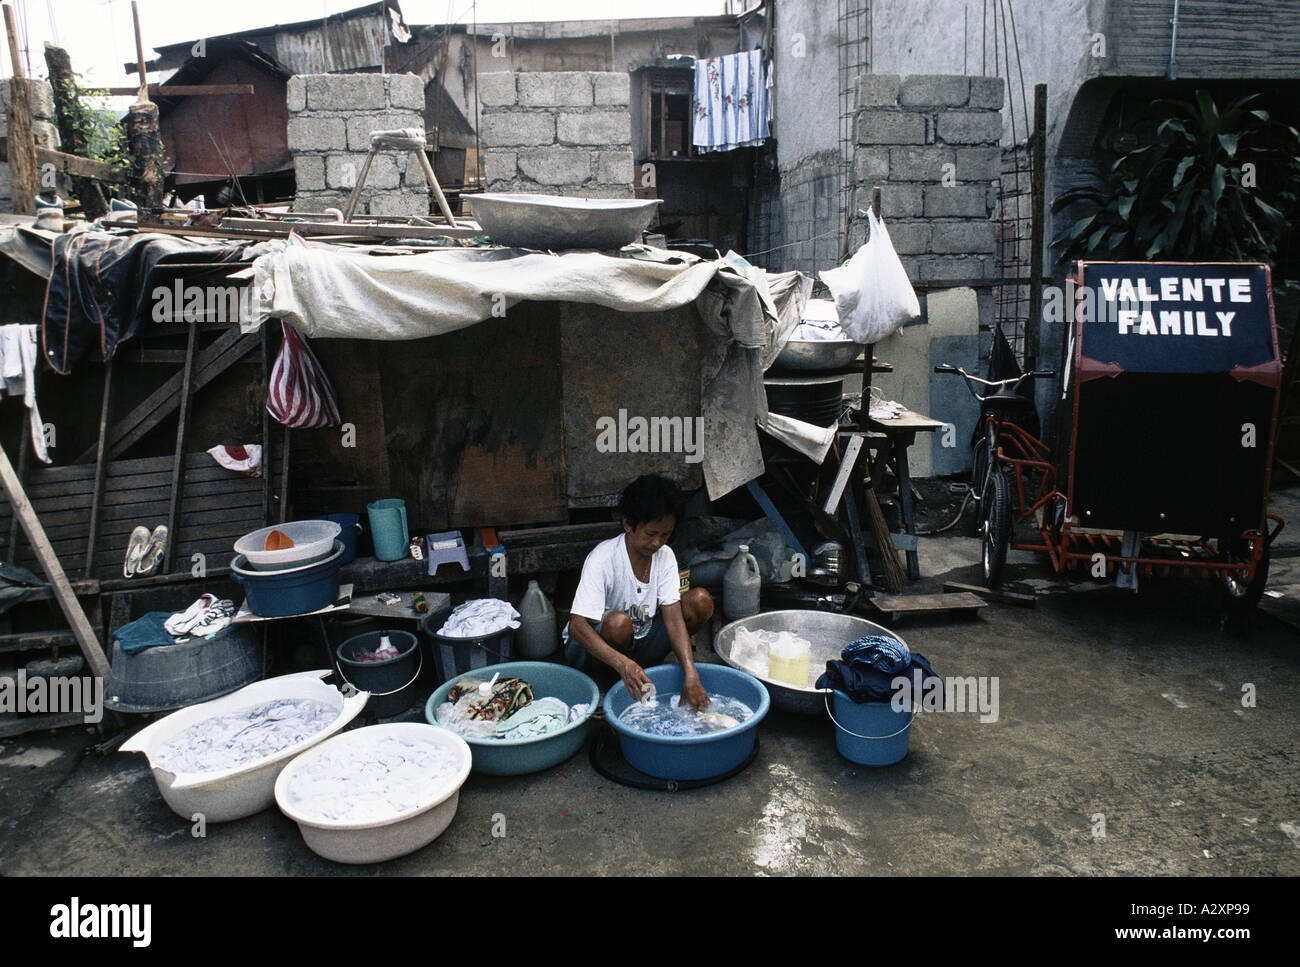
[299, 394]
[245, 459]
[18, 369]
[733, 102]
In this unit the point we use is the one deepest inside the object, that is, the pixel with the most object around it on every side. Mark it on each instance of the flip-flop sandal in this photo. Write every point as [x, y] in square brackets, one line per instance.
[135, 550]
[181, 622]
[153, 555]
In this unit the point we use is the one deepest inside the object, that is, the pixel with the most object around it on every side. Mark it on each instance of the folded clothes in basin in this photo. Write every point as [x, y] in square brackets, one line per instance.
[477, 619]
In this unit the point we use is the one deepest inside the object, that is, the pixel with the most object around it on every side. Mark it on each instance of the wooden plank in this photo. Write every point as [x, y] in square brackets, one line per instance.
[893, 605]
[1002, 597]
[24, 449]
[97, 495]
[21, 153]
[351, 228]
[71, 608]
[72, 164]
[11, 725]
[35, 640]
[174, 90]
[182, 426]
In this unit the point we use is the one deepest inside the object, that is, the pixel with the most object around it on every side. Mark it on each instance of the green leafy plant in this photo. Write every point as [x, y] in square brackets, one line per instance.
[103, 133]
[1213, 184]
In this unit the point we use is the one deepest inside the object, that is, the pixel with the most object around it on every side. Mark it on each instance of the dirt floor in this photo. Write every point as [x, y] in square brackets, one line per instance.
[1112, 706]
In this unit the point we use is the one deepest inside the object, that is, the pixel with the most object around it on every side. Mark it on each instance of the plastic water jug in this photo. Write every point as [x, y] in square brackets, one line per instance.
[537, 636]
[741, 585]
[788, 660]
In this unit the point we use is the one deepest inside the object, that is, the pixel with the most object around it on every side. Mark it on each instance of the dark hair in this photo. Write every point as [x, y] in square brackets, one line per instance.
[650, 497]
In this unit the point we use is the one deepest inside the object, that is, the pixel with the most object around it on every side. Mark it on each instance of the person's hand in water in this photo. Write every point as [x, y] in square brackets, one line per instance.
[634, 679]
[694, 694]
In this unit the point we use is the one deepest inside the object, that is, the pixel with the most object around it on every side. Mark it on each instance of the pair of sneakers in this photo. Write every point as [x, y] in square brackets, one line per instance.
[145, 551]
[204, 617]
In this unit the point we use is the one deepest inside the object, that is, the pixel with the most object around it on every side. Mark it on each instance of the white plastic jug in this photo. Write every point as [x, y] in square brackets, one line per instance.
[538, 636]
[741, 585]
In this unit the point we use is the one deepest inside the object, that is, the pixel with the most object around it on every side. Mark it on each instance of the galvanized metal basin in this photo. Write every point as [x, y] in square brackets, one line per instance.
[827, 633]
[527, 220]
[818, 354]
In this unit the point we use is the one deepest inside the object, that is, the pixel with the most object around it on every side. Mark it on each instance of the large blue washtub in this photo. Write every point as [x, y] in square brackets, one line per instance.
[690, 756]
[515, 757]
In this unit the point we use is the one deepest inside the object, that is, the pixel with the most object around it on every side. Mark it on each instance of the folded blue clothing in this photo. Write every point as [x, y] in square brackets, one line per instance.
[864, 683]
[147, 631]
[882, 652]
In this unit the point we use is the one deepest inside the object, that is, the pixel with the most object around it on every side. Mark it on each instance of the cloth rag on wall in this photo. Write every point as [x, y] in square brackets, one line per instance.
[329, 293]
[240, 458]
[299, 394]
[733, 102]
[18, 378]
[99, 289]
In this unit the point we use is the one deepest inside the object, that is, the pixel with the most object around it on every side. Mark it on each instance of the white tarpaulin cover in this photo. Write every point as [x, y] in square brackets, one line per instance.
[327, 292]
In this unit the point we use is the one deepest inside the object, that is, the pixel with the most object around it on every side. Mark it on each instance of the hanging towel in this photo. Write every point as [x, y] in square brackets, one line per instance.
[245, 459]
[733, 102]
[18, 378]
[299, 393]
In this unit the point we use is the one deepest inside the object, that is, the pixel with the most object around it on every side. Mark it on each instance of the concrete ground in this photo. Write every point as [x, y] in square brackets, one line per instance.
[1112, 707]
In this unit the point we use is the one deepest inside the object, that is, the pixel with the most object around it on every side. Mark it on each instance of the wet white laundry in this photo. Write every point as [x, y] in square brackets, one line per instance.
[238, 738]
[475, 619]
[750, 649]
[360, 782]
[18, 369]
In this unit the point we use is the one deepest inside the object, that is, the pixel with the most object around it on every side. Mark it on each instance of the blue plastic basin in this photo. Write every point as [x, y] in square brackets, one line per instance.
[690, 756]
[515, 757]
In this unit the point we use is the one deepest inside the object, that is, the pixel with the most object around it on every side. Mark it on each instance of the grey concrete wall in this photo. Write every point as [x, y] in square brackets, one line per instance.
[564, 133]
[331, 117]
[44, 132]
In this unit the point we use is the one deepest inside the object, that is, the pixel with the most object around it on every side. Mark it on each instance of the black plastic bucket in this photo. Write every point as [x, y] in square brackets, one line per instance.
[391, 683]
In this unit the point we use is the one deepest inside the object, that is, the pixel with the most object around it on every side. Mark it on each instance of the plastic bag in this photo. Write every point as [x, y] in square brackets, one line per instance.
[872, 294]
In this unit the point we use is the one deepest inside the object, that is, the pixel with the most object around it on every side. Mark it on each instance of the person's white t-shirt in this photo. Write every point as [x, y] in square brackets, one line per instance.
[608, 584]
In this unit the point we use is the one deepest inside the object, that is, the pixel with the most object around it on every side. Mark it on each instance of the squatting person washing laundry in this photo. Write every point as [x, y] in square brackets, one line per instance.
[628, 611]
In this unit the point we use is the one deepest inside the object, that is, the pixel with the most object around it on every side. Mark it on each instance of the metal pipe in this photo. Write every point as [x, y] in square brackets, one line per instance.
[1173, 41]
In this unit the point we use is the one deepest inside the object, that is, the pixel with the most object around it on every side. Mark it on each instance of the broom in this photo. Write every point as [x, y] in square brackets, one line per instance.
[891, 568]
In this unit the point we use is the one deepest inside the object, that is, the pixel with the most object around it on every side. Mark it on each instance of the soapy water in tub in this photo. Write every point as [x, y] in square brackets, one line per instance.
[668, 718]
[365, 782]
[237, 738]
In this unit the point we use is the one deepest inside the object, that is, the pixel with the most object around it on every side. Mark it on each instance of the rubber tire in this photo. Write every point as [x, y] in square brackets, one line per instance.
[995, 529]
[1240, 599]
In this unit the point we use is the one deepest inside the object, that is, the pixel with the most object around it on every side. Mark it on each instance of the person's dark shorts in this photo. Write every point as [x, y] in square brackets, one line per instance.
[650, 649]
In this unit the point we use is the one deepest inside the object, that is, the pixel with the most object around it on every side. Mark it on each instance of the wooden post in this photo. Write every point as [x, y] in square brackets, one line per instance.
[72, 611]
[1037, 177]
[178, 466]
[139, 54]
[22, 142]
[91, 196]
[436, 188]
[97, 496]
[867, 355]
[142, 134]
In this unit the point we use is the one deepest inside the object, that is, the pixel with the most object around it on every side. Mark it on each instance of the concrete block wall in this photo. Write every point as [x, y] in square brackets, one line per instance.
[931, 143]
[560, 133]
[44, 131]
[331, 117]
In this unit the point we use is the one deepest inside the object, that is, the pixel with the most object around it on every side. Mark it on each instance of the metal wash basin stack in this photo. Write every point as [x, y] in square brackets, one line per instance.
[525, 220]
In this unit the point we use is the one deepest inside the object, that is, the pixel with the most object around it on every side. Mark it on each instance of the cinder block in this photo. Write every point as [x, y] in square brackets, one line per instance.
[345, 92]
[896, 201]
[497, 89]
[317, 134]
[295, 94]
[987, 92]
[309, 172]
[555, 89]
[980, 164]
[883, 126]
[360, 126]
[507, 129]
[599, 128]
[877, 90]
[45, 134]
[607, 191]
[968, 238]
[919, 163]
[42, 98]
[870, 164]
[909, 238]
[318, 201]
[399, 203]
[958, 201]
[934, 90]
[970, 127]
[556, 166]
[615, 167]
[343, 170]
[405, 90]
[612, 88]
[499, 165]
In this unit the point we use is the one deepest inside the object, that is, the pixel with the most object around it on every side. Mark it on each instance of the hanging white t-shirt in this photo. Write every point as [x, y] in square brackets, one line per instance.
[608, 584]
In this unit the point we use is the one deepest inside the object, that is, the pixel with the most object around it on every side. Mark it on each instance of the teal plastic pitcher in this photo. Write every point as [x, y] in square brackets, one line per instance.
[388, 529]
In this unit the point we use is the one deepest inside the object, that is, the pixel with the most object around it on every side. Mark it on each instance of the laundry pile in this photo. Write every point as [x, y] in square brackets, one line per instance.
[238, 738]
[503, 708]
[204, 618]
[870, 668]
[669, 718]
[371, 782]
[477, 619]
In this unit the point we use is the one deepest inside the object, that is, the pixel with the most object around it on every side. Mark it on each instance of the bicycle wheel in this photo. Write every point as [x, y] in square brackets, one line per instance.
[995, 527]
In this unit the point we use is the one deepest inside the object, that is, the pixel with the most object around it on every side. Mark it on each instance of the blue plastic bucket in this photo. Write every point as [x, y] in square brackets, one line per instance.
[871, 733]
[690, 756]
[388, 529]
[349, 531]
